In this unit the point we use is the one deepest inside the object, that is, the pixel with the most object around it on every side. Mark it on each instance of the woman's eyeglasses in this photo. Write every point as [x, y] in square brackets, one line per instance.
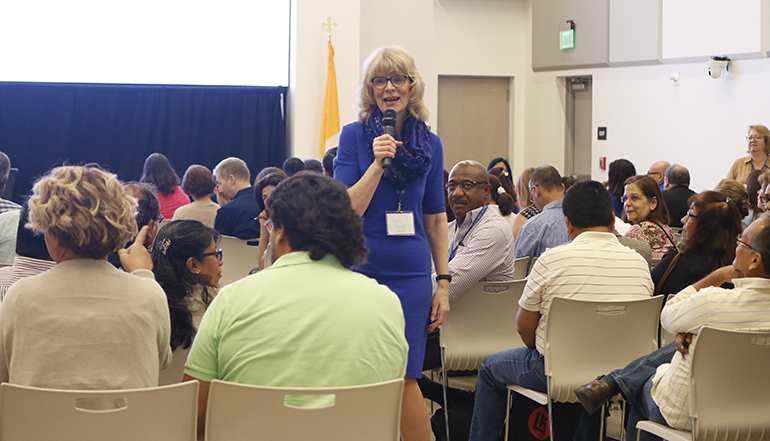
[217, 254]
[397, 81]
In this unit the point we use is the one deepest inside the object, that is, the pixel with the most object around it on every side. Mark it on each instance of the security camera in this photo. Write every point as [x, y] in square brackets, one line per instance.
[717, 65]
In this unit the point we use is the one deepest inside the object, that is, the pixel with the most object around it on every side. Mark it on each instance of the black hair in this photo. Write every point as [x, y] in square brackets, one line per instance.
[148, 207]
[314, 165]
[619, 171]
[158, 172]
[30, 243]
[504, 161]
[328, 161]
[174, 244]
[272, 179]
[315, 212]
[588, 204]
[293, 165]
[502, 198]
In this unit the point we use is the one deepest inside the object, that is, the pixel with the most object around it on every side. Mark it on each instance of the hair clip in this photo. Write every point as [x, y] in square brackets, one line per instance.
[164, 246]
[500, 190]
[727, 199]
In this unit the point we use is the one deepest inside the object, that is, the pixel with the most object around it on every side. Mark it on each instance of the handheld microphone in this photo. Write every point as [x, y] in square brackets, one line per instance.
[389, 128]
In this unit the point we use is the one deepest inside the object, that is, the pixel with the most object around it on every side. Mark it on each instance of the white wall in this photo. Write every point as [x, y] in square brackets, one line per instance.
[700, 124]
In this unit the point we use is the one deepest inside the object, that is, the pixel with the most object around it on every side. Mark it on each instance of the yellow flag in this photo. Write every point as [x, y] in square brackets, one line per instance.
[330, 122]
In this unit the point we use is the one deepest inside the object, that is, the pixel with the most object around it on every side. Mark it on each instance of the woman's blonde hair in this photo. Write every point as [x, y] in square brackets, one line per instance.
[85, 208]
[522, 187]
[387, 61]
[764, 133]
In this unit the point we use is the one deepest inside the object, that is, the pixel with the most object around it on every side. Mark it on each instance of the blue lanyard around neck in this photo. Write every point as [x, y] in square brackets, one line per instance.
[473, 224]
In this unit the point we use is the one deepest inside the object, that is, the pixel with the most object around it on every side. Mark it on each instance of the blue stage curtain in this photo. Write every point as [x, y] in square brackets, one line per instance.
[118, 126]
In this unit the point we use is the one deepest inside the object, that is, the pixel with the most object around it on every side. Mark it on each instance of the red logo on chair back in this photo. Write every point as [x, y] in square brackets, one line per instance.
[538, 423]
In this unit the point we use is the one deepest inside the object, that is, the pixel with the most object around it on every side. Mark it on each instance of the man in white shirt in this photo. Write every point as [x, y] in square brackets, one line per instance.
[480, 240]
[593, 266]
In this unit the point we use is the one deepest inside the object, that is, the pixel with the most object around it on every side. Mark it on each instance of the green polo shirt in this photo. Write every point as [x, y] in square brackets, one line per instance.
[301, 323]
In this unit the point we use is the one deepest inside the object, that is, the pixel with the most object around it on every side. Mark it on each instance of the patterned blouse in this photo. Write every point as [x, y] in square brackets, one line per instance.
[530, 212]
[653, 234]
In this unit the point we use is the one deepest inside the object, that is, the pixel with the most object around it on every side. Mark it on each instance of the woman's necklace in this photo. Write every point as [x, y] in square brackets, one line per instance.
[753, 164]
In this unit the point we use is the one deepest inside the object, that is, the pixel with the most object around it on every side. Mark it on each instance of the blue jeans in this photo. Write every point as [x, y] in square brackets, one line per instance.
[647, 409]
[632, 379]
[522, 366]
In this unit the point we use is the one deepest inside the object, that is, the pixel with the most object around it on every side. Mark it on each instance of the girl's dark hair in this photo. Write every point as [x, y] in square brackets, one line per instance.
[717, 224]
[502, 198]
[504, 161]
[752, 188]
[272, 179]
[620, 170]
[174, 244]
[505, 181]
[650, 189]
[158, 172]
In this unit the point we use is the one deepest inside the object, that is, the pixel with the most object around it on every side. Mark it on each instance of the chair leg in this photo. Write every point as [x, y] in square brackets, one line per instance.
[445, 385]
[550, 409]
[602, 419]
[508, 413]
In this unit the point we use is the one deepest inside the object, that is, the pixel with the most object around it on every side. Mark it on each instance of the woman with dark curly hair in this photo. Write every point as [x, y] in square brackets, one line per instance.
[262, 190]
[158, 172]
[199, 183]
[187, 265]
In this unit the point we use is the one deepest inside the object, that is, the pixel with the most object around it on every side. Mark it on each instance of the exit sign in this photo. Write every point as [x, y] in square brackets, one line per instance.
[567, 39]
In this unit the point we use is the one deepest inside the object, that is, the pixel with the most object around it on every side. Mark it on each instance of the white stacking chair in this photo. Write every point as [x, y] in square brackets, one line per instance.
[174, 372]
[481, 324]
[729, 388]
[665, 336]
[520, 267]
[239, 257]
[531, 265]
[584, 338]
[167, 413]
[238, 412]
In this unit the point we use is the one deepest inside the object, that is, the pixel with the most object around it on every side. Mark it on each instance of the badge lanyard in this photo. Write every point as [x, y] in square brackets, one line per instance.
[475, 221]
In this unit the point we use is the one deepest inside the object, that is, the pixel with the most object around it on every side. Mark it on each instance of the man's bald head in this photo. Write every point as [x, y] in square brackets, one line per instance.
[468, 188]
[657, 171]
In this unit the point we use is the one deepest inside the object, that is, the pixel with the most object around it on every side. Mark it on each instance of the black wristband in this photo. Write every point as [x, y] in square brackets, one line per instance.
[447, 277]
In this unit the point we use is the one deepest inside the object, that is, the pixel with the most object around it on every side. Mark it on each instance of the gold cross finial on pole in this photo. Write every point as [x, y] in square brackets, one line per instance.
[329, 25]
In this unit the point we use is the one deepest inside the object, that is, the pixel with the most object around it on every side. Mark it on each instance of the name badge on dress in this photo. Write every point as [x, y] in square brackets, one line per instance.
[400, 223]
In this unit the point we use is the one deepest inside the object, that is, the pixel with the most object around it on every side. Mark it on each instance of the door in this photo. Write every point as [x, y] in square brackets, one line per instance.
[578, 123]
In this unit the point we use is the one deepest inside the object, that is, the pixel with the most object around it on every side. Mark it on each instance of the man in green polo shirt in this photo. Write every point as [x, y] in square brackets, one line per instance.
[307, 321]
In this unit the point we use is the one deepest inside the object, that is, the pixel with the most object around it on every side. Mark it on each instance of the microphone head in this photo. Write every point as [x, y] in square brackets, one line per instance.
[389, 118]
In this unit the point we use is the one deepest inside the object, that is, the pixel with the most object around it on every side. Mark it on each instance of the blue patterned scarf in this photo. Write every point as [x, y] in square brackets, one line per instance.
[412, 158]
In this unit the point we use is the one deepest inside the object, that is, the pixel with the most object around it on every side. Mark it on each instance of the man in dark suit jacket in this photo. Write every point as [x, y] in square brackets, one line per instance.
[676, 193]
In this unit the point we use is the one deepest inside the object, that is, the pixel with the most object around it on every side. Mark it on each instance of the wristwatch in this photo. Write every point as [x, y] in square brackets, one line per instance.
[447, 277]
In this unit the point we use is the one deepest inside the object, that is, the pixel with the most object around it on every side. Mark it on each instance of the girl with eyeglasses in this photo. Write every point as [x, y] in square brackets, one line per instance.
[187, 265]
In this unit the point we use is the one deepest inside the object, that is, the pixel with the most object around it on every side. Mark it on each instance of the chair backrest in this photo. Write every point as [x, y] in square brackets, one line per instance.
[163, 413]
[520, 267]
[174, 372]
[730, 385]
[584, 338]
[531, 264]
[238, 258]
[665, 336]
[243, 412]
[481, 323]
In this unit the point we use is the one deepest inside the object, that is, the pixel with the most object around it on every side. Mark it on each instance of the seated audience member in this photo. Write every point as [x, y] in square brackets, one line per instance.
[314, 165]
[618, 172]
[656, 385]
[528, 208]
[480, 240]
[567, 181]
[9, 220]
[507, 185]
[501, 163]
[677, 191]
[307, 321]
[84, 324]
[708, 242]
[199, 183]
[594, 266]
[293, 166]
[645, 208]
[32, 255]
[238, 217]
[502, 201]
[158, 172]
[268, 171]
[5, 170]
[328, 161]
[187, 265]
[262, 190]
[657, 171]
[737, 193]
[547, 229]
[147, 213]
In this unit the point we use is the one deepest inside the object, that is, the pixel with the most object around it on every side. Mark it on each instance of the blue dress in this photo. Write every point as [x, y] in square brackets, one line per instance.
[402, 263]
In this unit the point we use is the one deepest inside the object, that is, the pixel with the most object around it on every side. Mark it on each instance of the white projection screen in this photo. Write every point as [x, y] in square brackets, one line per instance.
[222, 42]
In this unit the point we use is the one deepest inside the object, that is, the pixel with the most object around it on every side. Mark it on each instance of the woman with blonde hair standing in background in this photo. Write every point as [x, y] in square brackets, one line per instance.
[405, 222]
